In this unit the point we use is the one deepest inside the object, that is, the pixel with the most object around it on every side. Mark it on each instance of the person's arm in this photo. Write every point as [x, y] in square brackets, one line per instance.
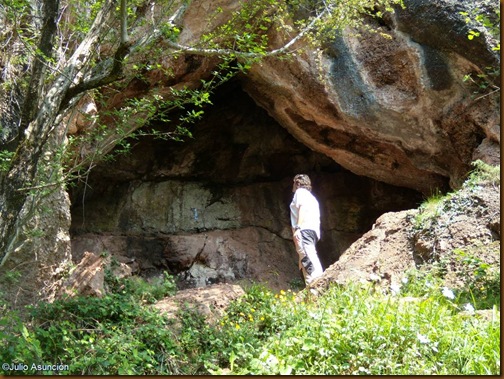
[297, 232]
[301, 215]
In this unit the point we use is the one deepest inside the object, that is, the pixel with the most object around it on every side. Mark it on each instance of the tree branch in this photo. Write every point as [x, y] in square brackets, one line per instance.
[45, 50]
[241, 54]
[112, 72]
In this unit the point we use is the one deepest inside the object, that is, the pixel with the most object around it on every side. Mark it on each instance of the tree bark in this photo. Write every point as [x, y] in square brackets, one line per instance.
[34, 206]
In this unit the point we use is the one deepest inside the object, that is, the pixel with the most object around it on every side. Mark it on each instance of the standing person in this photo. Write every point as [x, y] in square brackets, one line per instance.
[305, 222]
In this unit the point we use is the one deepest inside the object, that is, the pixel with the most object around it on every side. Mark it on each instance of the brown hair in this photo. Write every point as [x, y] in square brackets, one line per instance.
[302, 181]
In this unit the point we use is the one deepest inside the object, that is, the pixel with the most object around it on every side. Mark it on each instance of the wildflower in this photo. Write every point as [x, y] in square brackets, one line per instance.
[448, 293]
[262, 318]
[282, 292]
[395, 288]
[242, 314]
[272, 360]
[237, 326]
[422, 338]
[404, 280]
[469, 308]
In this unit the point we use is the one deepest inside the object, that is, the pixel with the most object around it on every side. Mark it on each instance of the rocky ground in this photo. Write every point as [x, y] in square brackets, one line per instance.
[459, 226]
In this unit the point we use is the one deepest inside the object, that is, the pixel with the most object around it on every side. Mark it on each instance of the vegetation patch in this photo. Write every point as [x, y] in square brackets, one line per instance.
[420, 328]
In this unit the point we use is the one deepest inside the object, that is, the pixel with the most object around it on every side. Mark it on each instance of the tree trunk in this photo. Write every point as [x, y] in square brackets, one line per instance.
[34, 205]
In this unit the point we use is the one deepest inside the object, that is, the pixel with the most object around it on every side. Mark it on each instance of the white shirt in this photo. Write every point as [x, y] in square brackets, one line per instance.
[311, 213]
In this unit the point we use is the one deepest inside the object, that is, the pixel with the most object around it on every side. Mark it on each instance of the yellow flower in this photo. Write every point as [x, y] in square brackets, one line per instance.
[282, 292]
[262, 318]
[242, 314]
[237, 326]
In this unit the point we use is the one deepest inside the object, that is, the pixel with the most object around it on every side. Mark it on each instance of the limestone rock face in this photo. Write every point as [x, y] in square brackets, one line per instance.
[374, 121]
[393, 109]
[216, 208]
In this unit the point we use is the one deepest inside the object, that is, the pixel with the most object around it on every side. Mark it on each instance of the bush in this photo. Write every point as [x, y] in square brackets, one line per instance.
[110, 335]
[420, 328]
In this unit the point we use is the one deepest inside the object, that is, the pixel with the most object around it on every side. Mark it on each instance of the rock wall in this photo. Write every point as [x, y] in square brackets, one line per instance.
[375, 121]
[394, 109]
[216, 208]
[464, 225]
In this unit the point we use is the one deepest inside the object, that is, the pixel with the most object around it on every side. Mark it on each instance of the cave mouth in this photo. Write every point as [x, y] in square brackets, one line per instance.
[215, 208]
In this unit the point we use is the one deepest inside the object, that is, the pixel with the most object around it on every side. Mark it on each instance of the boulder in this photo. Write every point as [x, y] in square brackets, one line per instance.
[211, 302]
[88, 277]
[462, 226]
[394, 109]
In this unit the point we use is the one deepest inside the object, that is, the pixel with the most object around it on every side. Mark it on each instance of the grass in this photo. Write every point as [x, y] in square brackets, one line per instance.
[422, 330]
[354, 330]
[434, 205]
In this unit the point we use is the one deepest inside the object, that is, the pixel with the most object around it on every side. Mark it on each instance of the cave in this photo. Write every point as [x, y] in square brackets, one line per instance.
[215, 207]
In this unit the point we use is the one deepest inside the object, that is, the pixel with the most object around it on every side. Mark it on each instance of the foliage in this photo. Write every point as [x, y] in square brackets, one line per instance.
[430, 209]
[434, 205]
[486, 17]
[483, 19]
[5, 160]
[483, 174]
[140, 290]
[348, 330]
[113, 334]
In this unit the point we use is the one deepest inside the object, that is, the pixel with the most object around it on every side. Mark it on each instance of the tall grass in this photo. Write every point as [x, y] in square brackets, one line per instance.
[355, 330]
[423, 329]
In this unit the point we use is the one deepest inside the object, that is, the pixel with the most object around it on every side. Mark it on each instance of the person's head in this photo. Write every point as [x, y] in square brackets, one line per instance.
[301, 181]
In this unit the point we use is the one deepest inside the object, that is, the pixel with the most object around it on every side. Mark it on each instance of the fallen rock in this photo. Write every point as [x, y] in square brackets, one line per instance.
[209, 301]
[383, 253]
[88, 277]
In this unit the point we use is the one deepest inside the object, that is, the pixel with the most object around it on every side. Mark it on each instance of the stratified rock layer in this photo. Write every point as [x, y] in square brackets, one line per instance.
[394, 110]
[216, 208]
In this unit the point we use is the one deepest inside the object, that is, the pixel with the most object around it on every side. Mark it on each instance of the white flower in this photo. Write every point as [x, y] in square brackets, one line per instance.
[422, 338]
[469, 308]
[374, 278]
[404, 280]
[272, 360]
[395, 288]
[448, 293]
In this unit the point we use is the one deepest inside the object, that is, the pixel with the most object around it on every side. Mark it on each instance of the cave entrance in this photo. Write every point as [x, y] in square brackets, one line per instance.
[215, 208]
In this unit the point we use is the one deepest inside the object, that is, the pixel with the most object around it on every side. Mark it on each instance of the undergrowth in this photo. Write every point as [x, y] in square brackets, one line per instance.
[421, 327]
